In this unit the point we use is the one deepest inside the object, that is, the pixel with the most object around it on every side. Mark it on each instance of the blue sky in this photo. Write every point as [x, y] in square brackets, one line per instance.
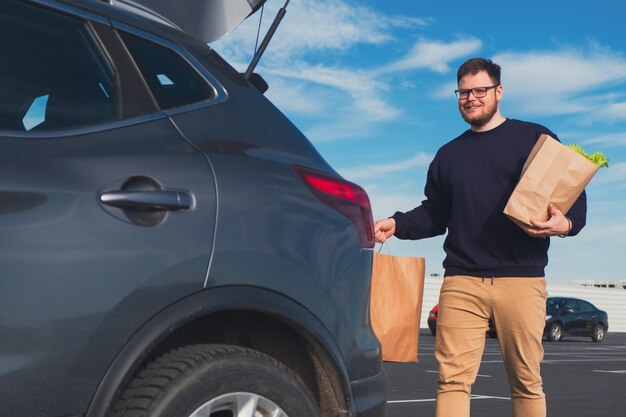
[371, 83]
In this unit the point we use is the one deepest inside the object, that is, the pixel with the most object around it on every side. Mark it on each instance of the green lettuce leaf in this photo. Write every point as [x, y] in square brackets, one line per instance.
[597, 158]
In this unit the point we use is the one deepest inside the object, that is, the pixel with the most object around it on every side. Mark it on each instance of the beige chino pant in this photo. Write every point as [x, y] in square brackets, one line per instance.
[517, 307]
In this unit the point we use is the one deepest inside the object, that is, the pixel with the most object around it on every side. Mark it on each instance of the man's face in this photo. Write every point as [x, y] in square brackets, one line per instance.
[479, 111]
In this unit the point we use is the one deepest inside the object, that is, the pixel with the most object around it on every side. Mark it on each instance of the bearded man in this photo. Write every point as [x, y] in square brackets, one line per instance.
[494, 269]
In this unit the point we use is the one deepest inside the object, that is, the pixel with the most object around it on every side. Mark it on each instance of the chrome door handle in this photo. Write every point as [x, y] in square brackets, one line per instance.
[148, 200]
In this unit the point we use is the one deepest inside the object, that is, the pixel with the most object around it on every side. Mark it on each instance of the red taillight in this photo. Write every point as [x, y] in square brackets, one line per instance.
[434, 313]
[344, 196]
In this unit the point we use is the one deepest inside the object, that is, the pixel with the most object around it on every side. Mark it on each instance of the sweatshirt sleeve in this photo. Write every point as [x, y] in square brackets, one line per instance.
[578, 214]
[431, 217]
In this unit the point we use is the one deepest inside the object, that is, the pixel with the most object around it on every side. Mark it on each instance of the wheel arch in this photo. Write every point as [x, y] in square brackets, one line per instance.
[241, 316]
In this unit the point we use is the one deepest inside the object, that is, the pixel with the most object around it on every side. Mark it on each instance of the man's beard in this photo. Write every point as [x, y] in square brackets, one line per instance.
[480, 121]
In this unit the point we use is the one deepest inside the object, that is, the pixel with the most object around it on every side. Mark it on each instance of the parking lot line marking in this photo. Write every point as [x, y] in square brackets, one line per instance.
[426, 400]
[429, 400]
[479, 375]
[610, 372]
[488, 397]
[584, 360]
[549, 361]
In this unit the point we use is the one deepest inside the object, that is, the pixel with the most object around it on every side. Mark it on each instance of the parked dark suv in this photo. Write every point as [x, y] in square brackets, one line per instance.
[172, 246]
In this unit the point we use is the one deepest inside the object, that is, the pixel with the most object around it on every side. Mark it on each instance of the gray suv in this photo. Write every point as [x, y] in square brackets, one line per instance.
[171, 245]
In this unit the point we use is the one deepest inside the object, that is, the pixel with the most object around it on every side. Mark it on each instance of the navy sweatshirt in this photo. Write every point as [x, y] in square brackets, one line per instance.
[469, 182]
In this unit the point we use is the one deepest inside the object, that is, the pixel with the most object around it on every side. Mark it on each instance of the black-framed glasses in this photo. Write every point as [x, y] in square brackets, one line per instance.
[478, 92]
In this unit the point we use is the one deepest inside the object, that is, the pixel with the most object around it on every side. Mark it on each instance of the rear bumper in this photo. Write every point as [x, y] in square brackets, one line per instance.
[370, 396]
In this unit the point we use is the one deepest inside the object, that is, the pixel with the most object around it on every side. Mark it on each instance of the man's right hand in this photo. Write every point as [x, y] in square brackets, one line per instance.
[384, 229]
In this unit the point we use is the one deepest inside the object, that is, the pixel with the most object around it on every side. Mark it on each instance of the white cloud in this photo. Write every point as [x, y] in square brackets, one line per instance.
[385, 204]
[296, 96]
[314, 26]
[615, 174]
[615, 111]
[364, 89]
[330, 28]
[313, 35]
[446, 91]
[560, 72]
[434, 55]
[607, 139]
[610, 234]
[341, 128]
[374, 171]
[561, 81]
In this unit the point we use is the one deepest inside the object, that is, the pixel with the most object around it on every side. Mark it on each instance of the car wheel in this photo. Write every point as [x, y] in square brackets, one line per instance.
[598, 333]
[555, 333]
[215, 381]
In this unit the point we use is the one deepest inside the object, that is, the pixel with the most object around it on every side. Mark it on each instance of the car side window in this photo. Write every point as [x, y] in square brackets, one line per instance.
[551, 305]
[572, 305]
[54, 73]
[585, 306]
[171, 79]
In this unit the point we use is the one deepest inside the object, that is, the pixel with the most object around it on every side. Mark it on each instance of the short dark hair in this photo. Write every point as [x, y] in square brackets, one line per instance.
[475, 65]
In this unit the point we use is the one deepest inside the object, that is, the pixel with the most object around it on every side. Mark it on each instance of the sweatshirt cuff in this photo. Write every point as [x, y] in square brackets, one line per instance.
[400, 224]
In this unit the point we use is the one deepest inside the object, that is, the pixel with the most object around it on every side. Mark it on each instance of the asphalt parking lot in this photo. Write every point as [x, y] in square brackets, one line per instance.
[581, 379]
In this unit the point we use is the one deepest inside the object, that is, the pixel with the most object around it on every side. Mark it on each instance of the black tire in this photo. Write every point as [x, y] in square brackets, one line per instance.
[555, 333]
[598, 333]
[214, 379]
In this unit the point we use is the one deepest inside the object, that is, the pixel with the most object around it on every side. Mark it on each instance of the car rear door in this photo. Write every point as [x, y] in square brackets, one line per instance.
[106, 213]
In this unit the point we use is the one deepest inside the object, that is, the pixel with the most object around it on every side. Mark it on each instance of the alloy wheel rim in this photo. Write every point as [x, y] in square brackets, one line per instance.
[599, 333]
[240, 404]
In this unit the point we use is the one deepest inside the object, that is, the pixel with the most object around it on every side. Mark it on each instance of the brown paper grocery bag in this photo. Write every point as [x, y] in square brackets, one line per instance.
[553, 173]
[396, 305]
